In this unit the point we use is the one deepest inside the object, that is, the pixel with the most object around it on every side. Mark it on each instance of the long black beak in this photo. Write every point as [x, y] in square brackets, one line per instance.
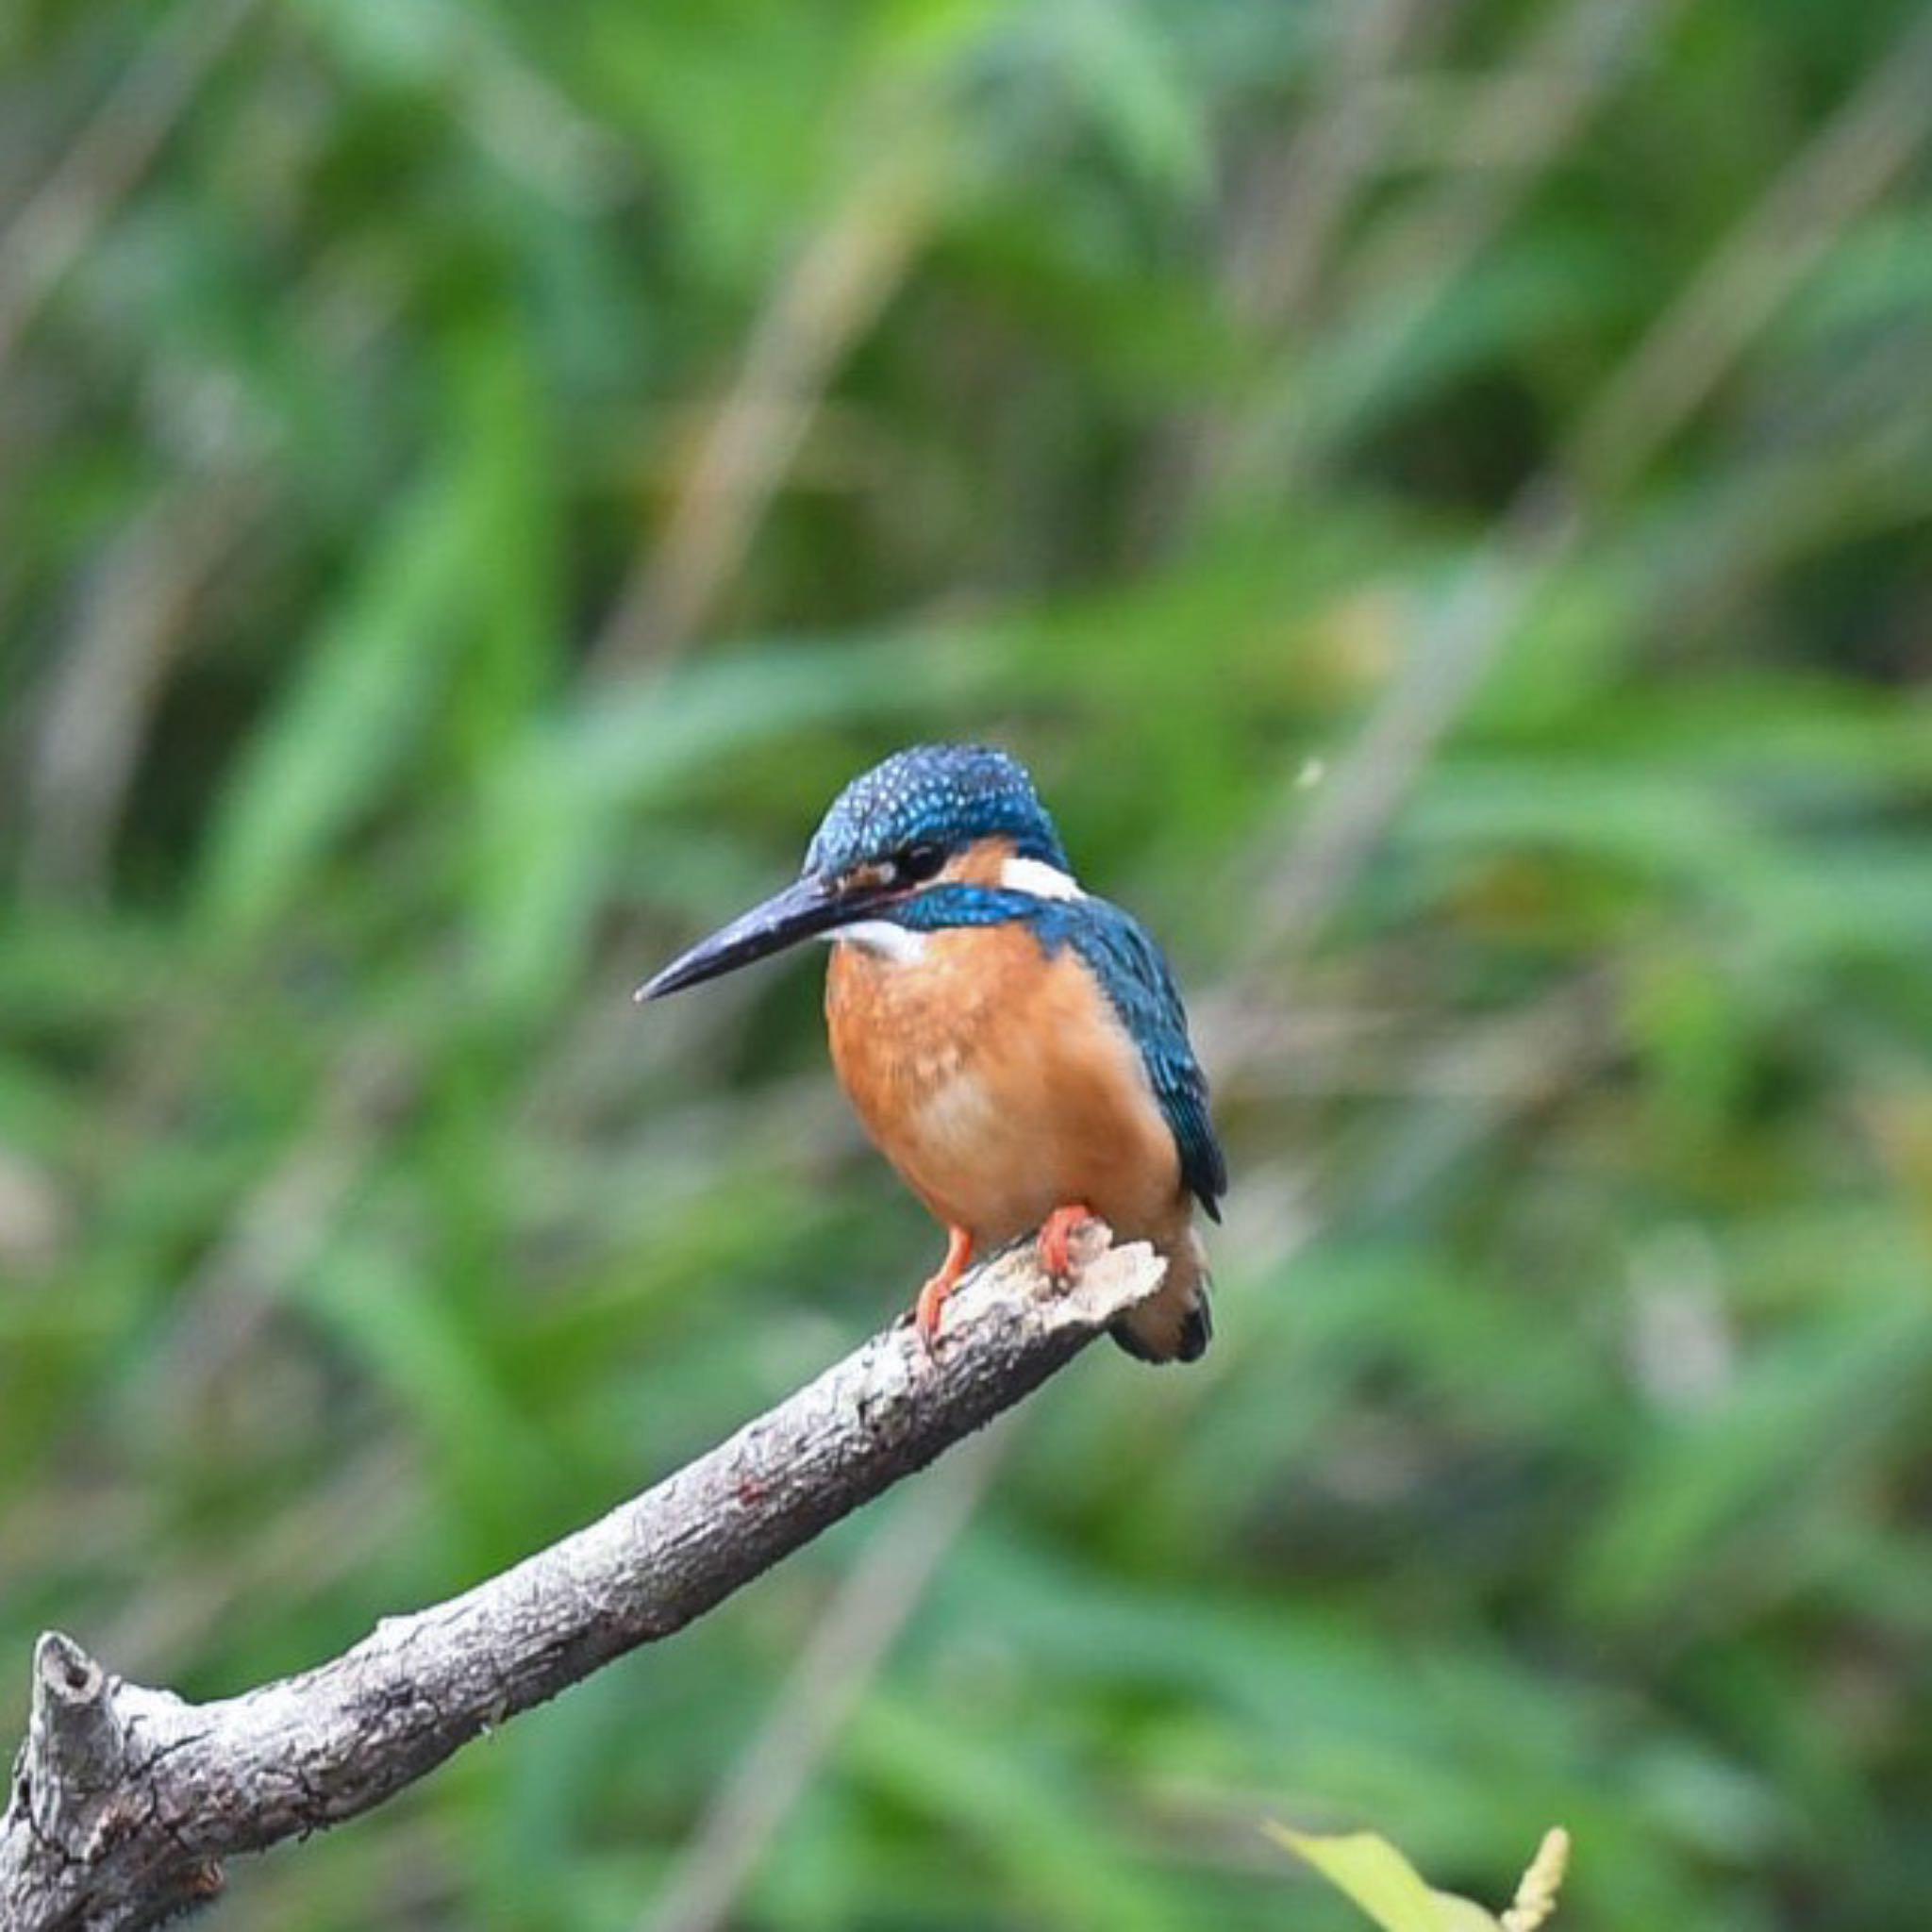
[809, 906]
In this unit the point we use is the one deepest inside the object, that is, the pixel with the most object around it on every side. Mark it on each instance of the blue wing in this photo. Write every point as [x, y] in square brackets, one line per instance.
[1135, 974]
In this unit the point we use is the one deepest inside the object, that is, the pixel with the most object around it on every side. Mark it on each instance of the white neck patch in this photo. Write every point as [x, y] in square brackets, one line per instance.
[1039, 879]
[880, 936]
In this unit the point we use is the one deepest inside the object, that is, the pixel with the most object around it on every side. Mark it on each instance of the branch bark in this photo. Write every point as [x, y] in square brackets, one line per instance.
[124, 1800]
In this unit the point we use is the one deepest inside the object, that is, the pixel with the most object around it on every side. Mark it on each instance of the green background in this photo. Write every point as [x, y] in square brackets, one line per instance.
[1439, 494]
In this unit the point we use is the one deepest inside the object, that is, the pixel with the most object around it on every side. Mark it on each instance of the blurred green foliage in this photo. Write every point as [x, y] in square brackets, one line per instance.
[1440, 494]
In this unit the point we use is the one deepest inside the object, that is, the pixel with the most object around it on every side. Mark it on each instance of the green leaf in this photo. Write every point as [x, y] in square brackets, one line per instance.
[1383, 1883]
[364, 690]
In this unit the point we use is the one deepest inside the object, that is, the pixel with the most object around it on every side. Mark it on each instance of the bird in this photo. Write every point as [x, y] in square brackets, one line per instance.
[1014, 1045]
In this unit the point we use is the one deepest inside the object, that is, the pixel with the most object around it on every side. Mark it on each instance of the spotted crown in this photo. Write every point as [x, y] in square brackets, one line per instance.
[949, 796]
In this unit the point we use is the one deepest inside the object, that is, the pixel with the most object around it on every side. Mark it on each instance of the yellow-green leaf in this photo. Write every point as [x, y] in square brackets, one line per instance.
[1383, 1883]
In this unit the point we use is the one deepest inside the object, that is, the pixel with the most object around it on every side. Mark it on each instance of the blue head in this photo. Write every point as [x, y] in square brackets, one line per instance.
[889, 835]
[933, 802]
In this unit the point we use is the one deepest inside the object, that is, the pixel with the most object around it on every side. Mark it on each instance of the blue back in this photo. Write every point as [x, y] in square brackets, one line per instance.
[1133, 973]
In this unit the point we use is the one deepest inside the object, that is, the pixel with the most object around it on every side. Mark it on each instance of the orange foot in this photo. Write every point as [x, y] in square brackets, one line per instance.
[1055, 1234]
[932, 1297]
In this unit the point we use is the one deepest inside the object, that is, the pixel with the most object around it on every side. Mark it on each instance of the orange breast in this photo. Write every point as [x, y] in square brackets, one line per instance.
[1001, 1085]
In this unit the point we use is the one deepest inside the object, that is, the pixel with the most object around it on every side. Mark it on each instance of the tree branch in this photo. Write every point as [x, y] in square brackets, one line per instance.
[125, 1799]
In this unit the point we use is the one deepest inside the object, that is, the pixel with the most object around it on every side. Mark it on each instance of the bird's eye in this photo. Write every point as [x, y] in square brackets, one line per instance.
[919, 862]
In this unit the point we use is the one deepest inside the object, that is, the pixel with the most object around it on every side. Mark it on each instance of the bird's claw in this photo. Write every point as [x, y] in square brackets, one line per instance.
[932, 1297]
[1056, 1244]
[926, 1311]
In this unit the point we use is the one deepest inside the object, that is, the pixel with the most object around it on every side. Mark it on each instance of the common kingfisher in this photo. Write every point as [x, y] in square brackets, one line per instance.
[1014, 1046]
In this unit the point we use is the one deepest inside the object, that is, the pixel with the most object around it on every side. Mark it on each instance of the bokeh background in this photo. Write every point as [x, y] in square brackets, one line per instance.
[1441, 492]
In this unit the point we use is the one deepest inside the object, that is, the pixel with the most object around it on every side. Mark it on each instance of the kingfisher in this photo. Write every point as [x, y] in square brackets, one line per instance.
[1015, 1046]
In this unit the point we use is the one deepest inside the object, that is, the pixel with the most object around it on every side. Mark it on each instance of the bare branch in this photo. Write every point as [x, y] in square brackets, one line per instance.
[124, 1799]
